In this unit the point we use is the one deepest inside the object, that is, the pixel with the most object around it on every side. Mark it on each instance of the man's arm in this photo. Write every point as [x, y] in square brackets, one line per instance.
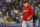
[31, 13]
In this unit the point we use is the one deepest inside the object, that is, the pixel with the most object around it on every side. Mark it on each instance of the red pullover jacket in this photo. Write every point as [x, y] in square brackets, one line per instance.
[27, 12]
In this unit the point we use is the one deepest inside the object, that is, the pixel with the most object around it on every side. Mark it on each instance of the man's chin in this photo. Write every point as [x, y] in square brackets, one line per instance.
[25, 6]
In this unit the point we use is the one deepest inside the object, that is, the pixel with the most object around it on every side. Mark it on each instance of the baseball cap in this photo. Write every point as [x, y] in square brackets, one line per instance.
[25, 1]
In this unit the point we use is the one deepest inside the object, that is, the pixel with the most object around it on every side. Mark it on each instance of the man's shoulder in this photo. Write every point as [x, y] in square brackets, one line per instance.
[29, 6]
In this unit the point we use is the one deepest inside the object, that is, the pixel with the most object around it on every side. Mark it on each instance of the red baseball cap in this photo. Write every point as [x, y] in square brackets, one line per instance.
[25, 1]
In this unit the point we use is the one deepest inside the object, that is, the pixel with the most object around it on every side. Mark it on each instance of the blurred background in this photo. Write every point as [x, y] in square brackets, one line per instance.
[11, 12]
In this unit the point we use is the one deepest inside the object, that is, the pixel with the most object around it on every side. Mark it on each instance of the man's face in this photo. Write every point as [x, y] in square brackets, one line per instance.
[25, 4]
[3, 9]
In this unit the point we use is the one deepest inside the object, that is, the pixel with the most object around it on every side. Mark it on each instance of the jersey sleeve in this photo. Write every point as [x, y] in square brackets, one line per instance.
[31, 11]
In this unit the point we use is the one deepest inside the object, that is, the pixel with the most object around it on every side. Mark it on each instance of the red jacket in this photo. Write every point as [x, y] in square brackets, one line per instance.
[27, 12]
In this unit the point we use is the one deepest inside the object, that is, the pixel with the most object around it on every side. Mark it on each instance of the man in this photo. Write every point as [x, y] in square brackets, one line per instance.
[27, 15]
